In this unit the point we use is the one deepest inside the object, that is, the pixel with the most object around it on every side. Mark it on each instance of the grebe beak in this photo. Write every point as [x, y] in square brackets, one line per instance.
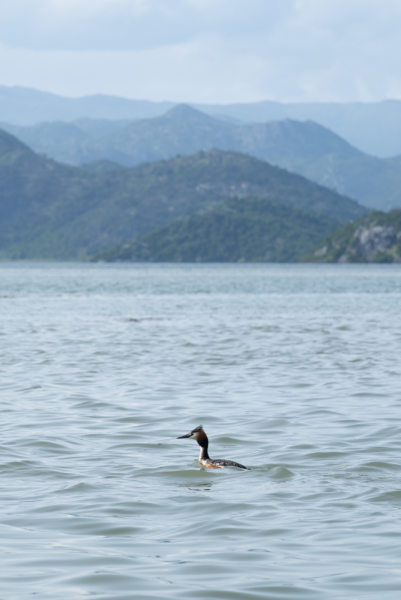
[187, 435]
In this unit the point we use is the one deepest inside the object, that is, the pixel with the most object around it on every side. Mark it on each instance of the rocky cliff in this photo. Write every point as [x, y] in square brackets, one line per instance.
[374, 238]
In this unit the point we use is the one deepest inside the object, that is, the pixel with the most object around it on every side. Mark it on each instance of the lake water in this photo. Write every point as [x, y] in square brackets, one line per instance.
[294, 371]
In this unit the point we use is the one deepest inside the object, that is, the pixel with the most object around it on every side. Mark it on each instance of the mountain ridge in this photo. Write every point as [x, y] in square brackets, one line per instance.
[305, 148]
[49, 210]
[374, 127]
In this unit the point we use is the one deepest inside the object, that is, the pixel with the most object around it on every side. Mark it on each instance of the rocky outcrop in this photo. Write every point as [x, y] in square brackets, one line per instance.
[375, 238]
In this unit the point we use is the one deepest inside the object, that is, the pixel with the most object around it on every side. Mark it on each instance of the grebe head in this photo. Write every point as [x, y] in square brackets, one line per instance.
[198, 434]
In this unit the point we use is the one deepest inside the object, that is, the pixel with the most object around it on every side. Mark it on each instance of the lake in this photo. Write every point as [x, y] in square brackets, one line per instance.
[293, 370]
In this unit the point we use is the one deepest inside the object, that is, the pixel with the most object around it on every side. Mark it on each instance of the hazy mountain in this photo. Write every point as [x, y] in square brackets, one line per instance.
[302, 147]
[374, 127]
[48, 210]
[373, 238]
[182, 130]
[10, 145]
[75, 143]
[26, 106]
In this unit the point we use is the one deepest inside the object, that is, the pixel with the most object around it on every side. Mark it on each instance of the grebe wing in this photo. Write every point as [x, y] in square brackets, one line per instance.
[228, 463]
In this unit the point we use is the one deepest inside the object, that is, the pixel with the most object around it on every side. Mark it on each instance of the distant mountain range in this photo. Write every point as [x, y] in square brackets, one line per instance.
[301, 147]
[50, 210]
[373, 127]
[27, 106]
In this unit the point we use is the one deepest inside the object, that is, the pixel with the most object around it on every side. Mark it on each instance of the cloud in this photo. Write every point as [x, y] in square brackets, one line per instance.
[93, 25]
[205, 50]
[116, 25]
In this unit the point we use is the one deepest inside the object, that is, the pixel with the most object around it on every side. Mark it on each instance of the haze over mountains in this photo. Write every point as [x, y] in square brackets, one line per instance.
[374, 128]
[301, 147]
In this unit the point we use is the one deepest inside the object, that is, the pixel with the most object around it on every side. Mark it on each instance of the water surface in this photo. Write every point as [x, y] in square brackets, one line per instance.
[292, 370]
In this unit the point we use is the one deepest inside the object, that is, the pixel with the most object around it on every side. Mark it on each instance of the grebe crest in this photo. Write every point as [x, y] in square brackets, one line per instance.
[199, 435]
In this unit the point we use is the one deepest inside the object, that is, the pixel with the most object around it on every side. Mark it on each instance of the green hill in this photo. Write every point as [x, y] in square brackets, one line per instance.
[238, 230]
[49, 210]
[38, 199]
[373, 238]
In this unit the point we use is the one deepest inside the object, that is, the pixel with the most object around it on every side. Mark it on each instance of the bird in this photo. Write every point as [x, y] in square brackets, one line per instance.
[199, 435]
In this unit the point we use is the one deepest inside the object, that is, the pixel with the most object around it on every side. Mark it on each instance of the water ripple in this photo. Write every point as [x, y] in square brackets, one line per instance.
[292, 371]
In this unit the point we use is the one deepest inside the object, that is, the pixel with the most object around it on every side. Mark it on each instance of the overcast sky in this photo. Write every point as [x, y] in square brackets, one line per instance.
[205, 50]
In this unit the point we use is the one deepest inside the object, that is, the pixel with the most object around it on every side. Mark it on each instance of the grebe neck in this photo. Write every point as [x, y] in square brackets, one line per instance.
[203, 454]
[203, 442]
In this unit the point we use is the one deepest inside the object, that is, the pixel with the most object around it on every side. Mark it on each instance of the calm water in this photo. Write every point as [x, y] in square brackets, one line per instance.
[292, 370]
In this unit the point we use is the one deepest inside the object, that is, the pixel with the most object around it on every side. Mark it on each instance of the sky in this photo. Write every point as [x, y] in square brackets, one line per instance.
[217, 51]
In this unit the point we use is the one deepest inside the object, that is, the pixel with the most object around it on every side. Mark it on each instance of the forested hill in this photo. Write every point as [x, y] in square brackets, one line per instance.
[238, 230]
[49, 210]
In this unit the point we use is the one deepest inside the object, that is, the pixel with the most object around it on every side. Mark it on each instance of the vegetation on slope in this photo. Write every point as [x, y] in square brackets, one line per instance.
[49, 210]
[239, 230]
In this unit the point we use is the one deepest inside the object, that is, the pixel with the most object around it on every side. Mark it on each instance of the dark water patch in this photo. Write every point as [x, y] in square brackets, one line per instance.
[119, 531]
[47, 446]
[391, 497]
[95, 404]
[78, 488]
[285, 592]
[58, 508]
[280, 472]
[272, 592]
[326, 455]
[378, 466]
[127, 509]
[136, 420]
[104, 579]
[18, 464]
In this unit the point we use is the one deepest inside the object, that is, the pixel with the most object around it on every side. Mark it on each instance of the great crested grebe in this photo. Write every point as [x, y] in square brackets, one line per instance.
[198, 434]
